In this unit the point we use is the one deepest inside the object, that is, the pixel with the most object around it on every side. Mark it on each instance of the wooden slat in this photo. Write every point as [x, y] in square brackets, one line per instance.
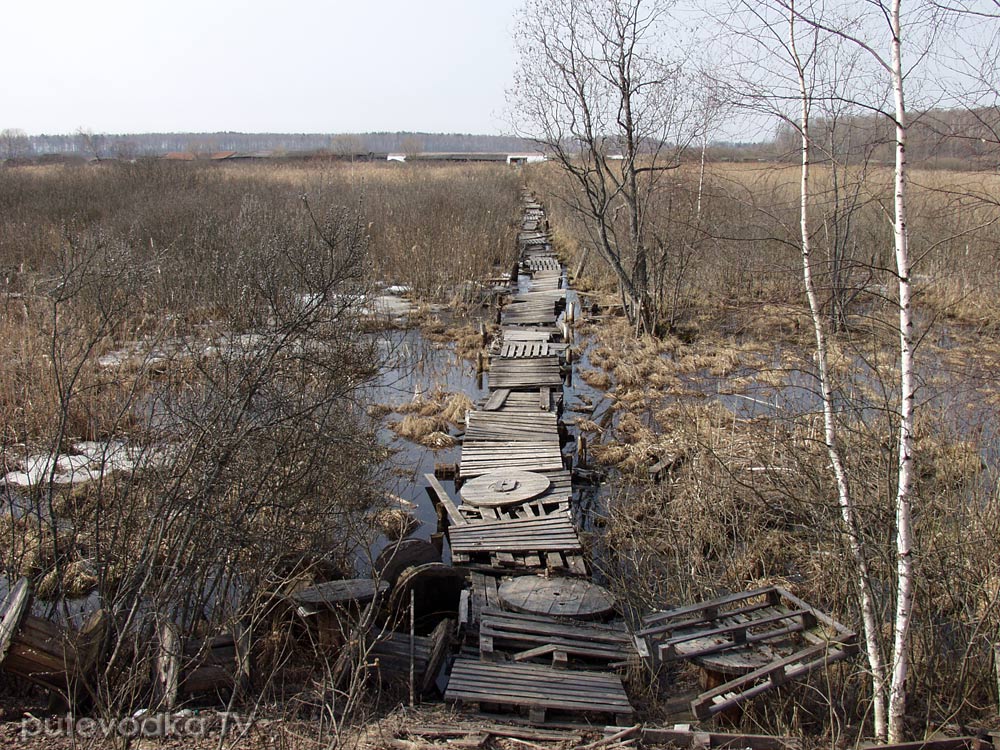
[445, 499]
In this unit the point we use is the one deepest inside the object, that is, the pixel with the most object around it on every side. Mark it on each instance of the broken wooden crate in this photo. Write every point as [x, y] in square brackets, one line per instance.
[324, 606]
[537, 638]
[211, 668]
[751, 642]
[388, 656]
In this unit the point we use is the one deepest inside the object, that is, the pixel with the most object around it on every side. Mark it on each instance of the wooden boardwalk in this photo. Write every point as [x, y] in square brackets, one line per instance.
[513, 526]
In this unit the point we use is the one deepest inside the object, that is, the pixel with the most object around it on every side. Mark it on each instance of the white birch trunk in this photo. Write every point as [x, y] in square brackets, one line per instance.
[863, 579]
[904, 535]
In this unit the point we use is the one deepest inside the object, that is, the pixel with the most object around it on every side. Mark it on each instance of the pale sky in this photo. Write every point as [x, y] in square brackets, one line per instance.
[314, 66]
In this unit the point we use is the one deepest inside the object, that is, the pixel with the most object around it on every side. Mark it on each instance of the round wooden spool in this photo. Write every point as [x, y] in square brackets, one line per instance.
[565, 597]
[507, 487]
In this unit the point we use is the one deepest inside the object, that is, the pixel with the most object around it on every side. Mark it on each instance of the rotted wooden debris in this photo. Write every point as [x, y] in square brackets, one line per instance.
[939, 743]
[329, 608]
[390, 653]
[682, 735]
[332, 594]
[540, 691]
[476, 735]
[756, 641]
[60, 660]
[387, 656]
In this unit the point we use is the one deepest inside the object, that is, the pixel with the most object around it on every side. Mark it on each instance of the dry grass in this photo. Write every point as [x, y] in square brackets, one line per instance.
[428, 417]
[417, 428]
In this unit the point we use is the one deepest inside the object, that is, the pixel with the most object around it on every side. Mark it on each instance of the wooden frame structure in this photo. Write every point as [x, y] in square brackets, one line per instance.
[756, 640]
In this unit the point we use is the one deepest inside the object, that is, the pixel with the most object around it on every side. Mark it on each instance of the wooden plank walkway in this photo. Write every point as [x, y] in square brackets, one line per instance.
[513, 425]
[555, 533]
[480, 458]
[525, 373]
[519, 428]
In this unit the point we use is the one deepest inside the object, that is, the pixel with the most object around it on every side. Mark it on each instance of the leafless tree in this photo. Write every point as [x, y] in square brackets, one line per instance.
[597, 91]
[14, 142]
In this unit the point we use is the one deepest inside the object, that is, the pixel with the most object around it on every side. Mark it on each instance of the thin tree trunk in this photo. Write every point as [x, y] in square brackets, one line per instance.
[845, 500]
[904, 535]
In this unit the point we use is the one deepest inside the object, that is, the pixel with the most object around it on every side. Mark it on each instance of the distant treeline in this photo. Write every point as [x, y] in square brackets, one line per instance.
[945, 138]
[937, 137]
[94, 145]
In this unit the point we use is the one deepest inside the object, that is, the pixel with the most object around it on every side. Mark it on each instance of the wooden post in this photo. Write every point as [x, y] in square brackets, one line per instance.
[413, 644]
[480, 366]
[581, 450]
[996, 669]
[483, 333]
[570, 312]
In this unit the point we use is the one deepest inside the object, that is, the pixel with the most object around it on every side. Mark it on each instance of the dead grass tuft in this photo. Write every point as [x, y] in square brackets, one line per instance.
[417, 428]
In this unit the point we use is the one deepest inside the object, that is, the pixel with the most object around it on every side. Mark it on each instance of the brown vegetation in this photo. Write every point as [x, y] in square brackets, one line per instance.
[727, 397]
[192, 339]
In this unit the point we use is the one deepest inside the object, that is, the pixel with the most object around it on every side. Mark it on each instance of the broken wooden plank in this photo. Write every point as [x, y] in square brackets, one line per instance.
[436, 489]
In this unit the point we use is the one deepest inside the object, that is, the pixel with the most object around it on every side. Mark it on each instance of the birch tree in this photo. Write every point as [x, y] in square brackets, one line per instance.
[878, 36]
[790, 85]
[884, 48]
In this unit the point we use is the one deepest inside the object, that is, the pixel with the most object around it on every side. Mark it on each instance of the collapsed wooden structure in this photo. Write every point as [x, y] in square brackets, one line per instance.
[749, 643]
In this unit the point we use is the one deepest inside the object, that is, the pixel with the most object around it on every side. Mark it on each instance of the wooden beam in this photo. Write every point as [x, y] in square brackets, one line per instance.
[436, 489]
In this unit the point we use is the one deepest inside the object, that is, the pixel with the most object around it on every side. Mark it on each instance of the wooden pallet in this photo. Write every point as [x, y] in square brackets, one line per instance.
[526, 638]
[761, 639]
[546, 281]
[525, 373]
[546, 534]
[768, 677]
[533, 401]
[480, 458]
[526, 334]
[540, 691]
[530, 426]
[544, 264]
[741, 631]
[516, 349]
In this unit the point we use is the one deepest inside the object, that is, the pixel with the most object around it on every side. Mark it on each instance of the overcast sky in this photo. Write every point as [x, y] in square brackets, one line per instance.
[327, 66]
